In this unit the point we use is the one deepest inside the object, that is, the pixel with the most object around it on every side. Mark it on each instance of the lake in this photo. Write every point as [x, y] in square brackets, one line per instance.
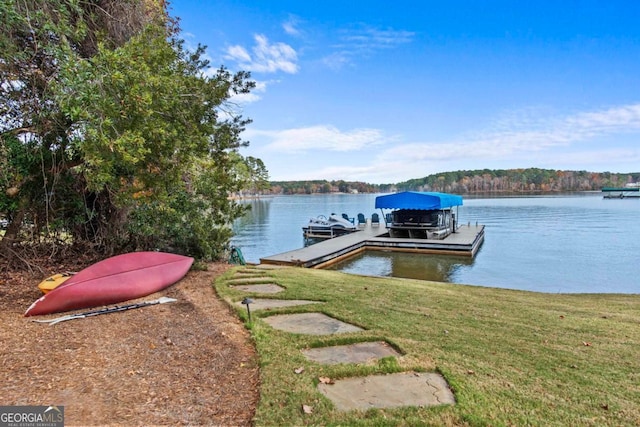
[558, 244]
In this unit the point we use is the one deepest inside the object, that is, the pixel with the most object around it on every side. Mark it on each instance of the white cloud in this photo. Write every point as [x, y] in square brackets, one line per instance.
[523, 136]
[238, 53]
[320, 138]
[265, 57]
[291, 26]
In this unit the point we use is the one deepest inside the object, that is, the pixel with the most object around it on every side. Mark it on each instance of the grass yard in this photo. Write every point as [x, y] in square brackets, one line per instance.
[510, 357]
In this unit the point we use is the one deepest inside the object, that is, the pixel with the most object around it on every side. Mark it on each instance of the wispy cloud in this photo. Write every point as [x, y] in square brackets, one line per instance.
[524, 135]
[598, 160]
[523, 139]
[292, 26]
[580, 140]
[617, 119]
[337, 60]
[349, 173]
[368, 38]
[265, 57]
[364, 41]
[320, 138]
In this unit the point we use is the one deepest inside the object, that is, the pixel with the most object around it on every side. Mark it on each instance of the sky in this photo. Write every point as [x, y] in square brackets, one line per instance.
[383, 92]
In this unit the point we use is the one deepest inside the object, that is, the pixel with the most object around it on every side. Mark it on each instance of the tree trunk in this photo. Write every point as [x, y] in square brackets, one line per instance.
[11, 235]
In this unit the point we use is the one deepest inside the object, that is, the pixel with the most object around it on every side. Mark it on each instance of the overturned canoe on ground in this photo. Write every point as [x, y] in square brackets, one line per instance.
[114, 280]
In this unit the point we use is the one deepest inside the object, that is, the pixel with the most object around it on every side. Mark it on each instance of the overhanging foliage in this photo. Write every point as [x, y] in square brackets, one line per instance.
[114, 134]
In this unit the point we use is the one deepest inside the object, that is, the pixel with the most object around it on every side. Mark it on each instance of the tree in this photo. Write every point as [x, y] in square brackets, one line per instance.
[135, 151]
[154, 145]
[36, 38]
[257, 174]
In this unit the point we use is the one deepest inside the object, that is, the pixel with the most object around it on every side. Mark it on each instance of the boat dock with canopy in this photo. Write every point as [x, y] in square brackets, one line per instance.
[419, 223]
[420, 215]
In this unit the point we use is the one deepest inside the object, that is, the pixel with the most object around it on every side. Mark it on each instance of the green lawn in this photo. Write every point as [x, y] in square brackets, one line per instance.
[511, 357]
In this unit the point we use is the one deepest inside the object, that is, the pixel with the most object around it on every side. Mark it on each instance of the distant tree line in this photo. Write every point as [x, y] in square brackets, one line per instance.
[530, 180]
[325, 187]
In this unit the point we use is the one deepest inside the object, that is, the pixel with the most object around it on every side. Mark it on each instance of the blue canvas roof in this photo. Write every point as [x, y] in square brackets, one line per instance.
[418, 200]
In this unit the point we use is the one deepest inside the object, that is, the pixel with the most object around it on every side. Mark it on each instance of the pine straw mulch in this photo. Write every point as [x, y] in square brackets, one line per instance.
[188, 362]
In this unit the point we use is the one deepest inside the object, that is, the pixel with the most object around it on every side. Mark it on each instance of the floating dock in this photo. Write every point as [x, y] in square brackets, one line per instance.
[464, 242]
[621, 192]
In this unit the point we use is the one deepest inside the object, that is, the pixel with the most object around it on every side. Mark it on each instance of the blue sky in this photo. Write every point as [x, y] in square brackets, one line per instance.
[382, 91]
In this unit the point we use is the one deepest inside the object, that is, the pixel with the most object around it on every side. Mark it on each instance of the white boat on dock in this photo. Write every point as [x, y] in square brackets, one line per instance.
[328, 228]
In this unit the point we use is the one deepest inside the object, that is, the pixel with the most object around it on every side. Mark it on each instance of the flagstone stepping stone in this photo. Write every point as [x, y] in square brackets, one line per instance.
[389, 391]
[269, 266]
[310, 323]
[249, 280]
[248, 271]
[255, 275]
[266, 303]
[266, 288]
[352, 353]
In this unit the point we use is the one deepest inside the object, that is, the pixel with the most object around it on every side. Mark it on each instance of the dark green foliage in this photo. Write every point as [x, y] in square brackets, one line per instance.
[113, 134]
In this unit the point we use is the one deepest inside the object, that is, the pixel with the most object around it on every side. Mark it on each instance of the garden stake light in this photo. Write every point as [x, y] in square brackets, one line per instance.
[247, 301]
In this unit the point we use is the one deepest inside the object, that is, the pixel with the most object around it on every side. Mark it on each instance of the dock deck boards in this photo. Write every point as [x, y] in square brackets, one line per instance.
[465, 241]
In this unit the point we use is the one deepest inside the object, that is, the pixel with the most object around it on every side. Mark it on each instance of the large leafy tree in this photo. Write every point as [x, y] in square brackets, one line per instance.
[116, 136]
[36, 38]
[148, 124]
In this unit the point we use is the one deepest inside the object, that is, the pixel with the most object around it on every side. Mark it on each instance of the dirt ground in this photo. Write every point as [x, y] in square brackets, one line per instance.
[188, 362]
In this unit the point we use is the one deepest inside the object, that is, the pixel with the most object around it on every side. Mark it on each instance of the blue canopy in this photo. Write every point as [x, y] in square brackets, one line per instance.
[418, 200]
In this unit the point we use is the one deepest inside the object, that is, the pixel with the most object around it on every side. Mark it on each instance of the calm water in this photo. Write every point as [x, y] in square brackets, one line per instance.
[548, 244]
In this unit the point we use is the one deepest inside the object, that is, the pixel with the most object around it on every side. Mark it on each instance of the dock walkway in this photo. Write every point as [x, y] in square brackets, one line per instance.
[465, 241]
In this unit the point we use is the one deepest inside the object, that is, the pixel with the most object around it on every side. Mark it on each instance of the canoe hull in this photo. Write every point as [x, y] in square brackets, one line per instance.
[114, 280]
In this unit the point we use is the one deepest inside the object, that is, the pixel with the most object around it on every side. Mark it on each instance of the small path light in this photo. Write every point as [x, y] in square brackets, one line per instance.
[247, 301]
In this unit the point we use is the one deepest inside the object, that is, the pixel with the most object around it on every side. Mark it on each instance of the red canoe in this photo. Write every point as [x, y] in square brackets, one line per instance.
[114, 280]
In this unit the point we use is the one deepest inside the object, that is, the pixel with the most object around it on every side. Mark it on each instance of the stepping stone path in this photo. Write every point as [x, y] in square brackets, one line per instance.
[310, 324]
[362, 393]
[388, 391]
[249, 280]
[353, 353]
[248, 273]
[266, 304]
[266, 288]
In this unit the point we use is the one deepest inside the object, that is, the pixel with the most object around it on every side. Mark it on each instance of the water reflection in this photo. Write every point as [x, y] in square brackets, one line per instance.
[440, 268]
[253, 229]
